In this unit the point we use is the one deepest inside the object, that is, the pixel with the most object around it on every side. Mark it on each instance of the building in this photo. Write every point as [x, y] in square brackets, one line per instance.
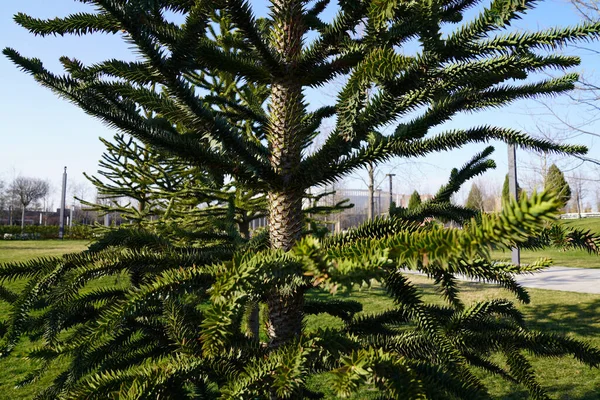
[359, 213]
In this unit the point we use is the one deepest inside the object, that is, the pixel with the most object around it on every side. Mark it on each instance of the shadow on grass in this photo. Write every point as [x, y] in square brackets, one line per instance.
[378, 293]
[556, 392]
[589, 395]
[579, 318]
[562, 313]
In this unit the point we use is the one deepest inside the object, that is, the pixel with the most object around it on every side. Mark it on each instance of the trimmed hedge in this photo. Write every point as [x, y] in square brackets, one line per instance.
[45, 232]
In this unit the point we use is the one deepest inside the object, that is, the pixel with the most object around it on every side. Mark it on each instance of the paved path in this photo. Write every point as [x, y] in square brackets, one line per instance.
[564, 278]
[580, 280]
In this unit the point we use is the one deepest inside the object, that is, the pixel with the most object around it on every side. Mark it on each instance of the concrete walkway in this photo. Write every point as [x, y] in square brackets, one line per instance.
[580, 280]
[567, 279]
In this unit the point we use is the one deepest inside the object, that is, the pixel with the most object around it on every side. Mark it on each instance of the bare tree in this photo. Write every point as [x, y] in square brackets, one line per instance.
[475, 198]
[579, 188]
[3, 200]
[491, 191]
[79, 193]
[589, 9]
[586, 96]
[28, 190]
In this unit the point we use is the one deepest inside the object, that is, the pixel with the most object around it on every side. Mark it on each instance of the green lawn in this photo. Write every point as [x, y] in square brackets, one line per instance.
[592, 224]
[16, 367]
[569, 258]
[23, 250]
[574, 314]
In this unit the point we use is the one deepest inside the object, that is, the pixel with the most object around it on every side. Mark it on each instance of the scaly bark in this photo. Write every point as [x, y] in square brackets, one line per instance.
[285, 145]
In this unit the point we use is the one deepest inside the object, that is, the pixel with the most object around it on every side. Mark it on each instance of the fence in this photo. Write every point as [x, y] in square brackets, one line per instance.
[577, 215]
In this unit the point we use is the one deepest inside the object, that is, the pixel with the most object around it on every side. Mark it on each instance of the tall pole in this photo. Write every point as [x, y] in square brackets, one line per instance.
[512, 188]
[391, 190]
[63, 198]
[371, 201]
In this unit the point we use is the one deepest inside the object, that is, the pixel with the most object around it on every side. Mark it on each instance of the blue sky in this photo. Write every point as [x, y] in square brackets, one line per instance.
[40, 133]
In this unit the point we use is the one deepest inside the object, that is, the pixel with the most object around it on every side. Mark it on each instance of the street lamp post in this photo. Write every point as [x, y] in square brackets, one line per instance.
[391, 191]
[63, 197]
[512, 187]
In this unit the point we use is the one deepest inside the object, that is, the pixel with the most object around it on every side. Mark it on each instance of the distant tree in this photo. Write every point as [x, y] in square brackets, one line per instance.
[475, 198]
[2, 194]
[3, 200]
[441, 206]
[506, 189]
[491, 192]
[414, 201]
[579, 191]
[556, 182]
[133, 180]
[147, 338]
[28, 190]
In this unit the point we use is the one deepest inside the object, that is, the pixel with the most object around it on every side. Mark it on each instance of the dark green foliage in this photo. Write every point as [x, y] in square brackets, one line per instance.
[414, 201]
[76, 232]
[506, 190]
[440, 206]
[564, 237]
[158, 330]
[224, 94]
[475, 198]
[556, 182]
[143, 186]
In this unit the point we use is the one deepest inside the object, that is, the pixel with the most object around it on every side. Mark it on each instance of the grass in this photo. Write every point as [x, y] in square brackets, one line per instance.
[593, 224]
[16, 367]
[574, 314]
[568, 258]
[17, 250]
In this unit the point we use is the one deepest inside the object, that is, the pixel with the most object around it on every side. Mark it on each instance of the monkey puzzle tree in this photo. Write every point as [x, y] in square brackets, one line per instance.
[175, 331]
[134, 172]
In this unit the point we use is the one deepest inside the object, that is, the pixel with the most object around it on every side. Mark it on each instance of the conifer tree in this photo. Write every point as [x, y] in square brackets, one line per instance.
[152, 338]
[440, 206]
[414, 201]
[556, 182]
[475, 198]
[506, 190]
[145, 178]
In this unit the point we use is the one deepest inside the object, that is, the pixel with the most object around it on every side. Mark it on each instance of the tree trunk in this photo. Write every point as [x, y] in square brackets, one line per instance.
[23, 220]
[285, 144]
[253, 317]
[254, 321]
[285, 225]
[371, 205]
[244, 228]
